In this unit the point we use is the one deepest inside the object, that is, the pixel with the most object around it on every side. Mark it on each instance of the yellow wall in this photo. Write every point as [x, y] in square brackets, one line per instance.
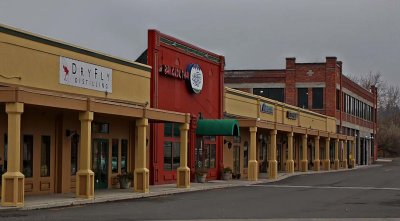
[243, 104]
[37, 65]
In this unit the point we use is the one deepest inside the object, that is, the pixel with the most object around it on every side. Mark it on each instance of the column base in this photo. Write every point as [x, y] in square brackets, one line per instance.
[183, 177]
[85, 184]
[353, 163]
[12, 189]
[316, 165]
[253, 170]
[141, 180]
[327, 165]
[272, 169]
[337, 164]
[304, 165]
[345, 165]
[289, 166]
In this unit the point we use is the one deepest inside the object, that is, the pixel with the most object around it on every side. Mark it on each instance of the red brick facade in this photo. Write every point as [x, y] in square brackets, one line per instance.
[327, 75]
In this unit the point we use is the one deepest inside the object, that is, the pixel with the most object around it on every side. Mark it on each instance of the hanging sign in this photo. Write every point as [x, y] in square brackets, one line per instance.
[84, 75]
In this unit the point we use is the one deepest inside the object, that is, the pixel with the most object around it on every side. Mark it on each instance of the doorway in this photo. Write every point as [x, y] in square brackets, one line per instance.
[100, 163]
[236, 160]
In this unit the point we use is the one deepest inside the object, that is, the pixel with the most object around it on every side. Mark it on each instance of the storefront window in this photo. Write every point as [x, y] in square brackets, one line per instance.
[45, 157]
[171, 146]
[74, 153]
[124, 155]
[206, 153]
[245, 154]
[171, 155]
[114, 161]
[27, 156]
[171, 130]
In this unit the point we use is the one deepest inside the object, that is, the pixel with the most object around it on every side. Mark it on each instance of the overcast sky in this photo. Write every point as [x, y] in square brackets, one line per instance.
[364, 34]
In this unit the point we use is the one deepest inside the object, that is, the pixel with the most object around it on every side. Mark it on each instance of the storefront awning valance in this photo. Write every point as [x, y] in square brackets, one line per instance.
[219, 127]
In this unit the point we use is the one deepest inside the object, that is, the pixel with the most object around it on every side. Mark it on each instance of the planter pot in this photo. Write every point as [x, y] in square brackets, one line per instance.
[227, 176]
[125, 184]
[201, 178]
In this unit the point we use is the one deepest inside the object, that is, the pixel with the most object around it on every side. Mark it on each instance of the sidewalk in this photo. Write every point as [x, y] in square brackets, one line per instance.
[69, 199]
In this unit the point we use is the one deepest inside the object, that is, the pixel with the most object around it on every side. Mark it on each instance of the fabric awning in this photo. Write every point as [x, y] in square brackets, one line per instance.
[218, 127]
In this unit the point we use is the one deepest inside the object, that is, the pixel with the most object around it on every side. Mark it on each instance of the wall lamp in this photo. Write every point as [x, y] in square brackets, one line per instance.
[229, 144]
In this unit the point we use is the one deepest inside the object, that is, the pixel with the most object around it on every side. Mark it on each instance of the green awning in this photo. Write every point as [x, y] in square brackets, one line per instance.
[219, 127]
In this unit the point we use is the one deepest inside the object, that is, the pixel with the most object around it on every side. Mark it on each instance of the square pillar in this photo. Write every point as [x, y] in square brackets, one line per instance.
[272, 163]
[316, 158]
[345, 163]
[353, 154]
[253, 165]
[183, 172]
[290, 161]
[304, 161]
[327, 161]
[12, 189]
[85, 176]
[141, 173]
[337, 162]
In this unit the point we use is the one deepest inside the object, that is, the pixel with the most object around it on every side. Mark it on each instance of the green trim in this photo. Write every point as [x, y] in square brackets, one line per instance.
[189, 50]
[54, 43]
[220, 127]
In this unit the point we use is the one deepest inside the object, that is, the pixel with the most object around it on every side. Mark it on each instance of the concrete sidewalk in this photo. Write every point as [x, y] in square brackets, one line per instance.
[108, 195]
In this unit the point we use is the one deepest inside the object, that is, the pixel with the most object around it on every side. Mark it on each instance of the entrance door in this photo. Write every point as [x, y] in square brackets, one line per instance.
[236, 159]
[100, 163]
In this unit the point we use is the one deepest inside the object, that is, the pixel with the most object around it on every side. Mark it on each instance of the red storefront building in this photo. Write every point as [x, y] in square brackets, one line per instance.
[320, 87]
[186, 79]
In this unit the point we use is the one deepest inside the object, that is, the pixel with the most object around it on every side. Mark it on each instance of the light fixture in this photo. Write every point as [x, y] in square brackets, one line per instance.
[229, 144]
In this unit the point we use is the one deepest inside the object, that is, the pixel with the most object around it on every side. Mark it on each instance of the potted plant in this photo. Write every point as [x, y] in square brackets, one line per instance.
[125, 180]
[201, 174]
[227, 175]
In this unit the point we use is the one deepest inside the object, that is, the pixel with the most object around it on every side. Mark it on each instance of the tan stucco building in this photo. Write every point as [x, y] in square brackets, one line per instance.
[72, 118]
[275, 136]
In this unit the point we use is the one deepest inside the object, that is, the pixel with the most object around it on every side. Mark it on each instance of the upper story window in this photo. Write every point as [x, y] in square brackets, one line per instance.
[338, 100]
[318, 98]
[277, 94]
[302, 97]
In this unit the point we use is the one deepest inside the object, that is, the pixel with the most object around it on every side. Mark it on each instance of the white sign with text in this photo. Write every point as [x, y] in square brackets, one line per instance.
[81, 74]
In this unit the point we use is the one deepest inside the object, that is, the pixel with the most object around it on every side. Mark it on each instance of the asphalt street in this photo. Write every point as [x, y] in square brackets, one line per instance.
[364, 193]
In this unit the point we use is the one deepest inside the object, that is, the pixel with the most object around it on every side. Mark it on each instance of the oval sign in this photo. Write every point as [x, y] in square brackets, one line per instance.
[195, 78]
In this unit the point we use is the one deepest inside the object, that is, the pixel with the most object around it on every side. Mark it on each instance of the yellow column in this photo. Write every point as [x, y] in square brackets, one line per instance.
[344, 145]
[85, 176]
[316, 157]
[327, 162]
[12, 189]
[253, 166]
[353, 154]
[304, 161]
[290, 162]
[337, 162]
[272, 163]
[183, 178]
[141, 174]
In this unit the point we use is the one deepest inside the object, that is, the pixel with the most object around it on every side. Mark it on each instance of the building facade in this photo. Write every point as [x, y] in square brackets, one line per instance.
[72, 118]
[322, 88]
[275, 136]
[186, 79]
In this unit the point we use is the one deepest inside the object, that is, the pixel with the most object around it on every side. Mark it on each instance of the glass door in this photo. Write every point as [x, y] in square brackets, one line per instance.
[100, 163]
[236, 160]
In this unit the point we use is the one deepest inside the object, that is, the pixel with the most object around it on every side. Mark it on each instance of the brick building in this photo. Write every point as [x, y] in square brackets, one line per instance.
[320, 87]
